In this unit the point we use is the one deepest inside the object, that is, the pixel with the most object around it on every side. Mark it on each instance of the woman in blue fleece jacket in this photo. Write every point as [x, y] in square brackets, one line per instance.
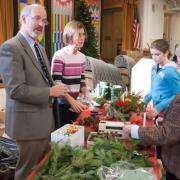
[165, 79]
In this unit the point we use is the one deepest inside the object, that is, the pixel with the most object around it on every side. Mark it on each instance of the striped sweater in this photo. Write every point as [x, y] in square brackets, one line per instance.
[69, 69]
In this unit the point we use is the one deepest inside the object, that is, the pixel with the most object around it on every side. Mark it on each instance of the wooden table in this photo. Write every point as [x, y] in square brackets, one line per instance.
[87, 113]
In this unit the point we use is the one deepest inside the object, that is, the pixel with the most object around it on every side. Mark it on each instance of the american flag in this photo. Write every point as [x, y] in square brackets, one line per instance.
[136, 32]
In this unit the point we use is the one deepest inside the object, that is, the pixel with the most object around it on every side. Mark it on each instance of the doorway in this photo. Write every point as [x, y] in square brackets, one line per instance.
[111, 33]
[167, 23]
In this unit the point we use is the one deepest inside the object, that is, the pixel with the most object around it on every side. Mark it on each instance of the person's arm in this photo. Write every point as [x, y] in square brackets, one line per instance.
[147, 98]
[57, 68]
[173, 80]
[14, 77]
[134, 131]
[167, 133]
[83, 86]
[163, 105]
[76, 105]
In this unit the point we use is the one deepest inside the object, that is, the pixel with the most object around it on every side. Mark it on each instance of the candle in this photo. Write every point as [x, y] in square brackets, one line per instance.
[123, 97]
[144, 119]
[126, 92]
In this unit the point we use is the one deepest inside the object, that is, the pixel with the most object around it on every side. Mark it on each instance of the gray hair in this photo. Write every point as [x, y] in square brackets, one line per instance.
[27, 10]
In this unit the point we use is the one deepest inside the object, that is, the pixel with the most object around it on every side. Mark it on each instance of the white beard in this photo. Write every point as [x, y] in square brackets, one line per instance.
[35, 35]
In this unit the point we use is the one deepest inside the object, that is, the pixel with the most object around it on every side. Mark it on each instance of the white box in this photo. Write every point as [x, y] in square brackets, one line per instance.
[75, 139]
[113, 127]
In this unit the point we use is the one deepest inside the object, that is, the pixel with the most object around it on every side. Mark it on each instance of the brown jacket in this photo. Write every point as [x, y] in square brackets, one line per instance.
[168, 136]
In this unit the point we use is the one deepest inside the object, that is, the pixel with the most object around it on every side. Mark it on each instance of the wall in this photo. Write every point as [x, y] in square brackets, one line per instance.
[151, 20]
[174, 30]
[152, 23]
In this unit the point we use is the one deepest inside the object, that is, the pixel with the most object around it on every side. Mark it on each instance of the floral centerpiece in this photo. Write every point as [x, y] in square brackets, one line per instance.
[126, 103]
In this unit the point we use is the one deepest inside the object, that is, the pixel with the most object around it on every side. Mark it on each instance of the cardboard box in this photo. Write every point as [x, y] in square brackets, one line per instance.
[2, 116]
[2, 98]
[2, 129]
[62, 137]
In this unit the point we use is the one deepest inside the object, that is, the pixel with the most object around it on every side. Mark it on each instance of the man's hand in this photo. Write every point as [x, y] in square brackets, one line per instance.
[58, 90]
[159, 121]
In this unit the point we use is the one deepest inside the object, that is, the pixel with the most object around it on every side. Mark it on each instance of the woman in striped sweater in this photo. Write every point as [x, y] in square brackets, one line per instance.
[68, 65]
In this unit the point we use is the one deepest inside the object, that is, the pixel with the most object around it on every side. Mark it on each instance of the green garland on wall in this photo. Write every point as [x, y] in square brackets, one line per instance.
[83, 15]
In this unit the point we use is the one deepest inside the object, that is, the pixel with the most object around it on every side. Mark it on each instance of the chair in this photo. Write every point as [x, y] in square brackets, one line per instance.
[125, 63]
[102, 71]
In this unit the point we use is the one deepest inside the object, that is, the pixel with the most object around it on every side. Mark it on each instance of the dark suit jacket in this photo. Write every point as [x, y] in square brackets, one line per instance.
[28, 112]
[168, 136]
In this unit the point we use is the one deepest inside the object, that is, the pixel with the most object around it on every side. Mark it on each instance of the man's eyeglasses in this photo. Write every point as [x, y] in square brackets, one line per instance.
[39, 19]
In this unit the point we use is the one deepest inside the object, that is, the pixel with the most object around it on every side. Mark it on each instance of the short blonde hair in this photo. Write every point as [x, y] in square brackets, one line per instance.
[177, 51]
[71, 29]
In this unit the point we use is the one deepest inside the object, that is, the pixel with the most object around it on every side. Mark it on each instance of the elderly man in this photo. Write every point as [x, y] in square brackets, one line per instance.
[29, 88]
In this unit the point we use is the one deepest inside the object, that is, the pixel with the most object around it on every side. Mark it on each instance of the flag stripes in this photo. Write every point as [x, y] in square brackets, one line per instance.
[136, 33]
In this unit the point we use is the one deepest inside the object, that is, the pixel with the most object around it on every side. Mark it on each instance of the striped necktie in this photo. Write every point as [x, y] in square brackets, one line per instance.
[43, 65]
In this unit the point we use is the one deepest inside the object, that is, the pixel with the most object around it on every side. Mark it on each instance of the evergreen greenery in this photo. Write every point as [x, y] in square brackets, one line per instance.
[75, 163]
[83, 15]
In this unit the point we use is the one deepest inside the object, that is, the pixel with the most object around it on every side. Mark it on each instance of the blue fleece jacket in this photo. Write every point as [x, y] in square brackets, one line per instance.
[165, 84]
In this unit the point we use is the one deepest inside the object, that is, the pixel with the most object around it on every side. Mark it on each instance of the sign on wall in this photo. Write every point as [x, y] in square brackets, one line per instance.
[62, 13]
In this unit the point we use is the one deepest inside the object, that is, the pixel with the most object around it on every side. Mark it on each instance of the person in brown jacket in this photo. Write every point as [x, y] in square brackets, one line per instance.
[166, 135]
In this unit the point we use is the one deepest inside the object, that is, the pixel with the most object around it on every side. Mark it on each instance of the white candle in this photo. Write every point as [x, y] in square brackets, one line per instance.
[123, 97]
[126, 92]
[144, 119]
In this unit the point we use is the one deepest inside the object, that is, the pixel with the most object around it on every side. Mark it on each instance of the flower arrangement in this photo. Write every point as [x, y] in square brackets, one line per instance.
[126, 103]
[71, 130]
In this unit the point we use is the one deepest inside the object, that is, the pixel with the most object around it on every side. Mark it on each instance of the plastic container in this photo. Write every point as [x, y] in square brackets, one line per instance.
[74, 139]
